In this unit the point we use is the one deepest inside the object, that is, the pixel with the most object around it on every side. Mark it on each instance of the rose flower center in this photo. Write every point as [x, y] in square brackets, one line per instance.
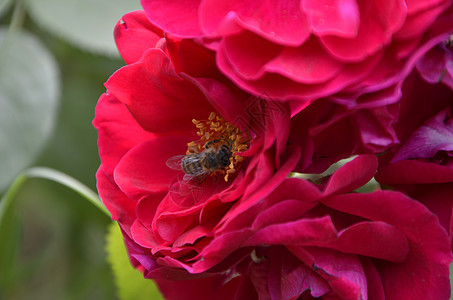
[221, 135]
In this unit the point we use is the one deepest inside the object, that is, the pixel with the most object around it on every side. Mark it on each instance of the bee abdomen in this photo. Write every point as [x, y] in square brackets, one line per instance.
[191, 168]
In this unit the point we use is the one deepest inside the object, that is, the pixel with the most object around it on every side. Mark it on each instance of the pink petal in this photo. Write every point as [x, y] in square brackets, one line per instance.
[308, 63]
[333, 17]
[179, 17]
[134, 34]
[378, 21]
[420, 20]
[240, 52]
[281, 22]
[278, 87]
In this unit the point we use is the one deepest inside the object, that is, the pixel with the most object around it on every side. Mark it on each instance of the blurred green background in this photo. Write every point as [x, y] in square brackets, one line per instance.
[56, 245]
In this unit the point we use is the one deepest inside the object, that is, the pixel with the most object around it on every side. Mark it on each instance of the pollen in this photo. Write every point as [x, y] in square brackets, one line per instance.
[216, 131]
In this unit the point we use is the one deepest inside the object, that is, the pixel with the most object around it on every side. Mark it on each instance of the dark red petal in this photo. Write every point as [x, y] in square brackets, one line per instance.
[414, 172]
[424, 274]
[435, 135]
[303, 231]
[352, 175]
[343, 272]
[372, 239]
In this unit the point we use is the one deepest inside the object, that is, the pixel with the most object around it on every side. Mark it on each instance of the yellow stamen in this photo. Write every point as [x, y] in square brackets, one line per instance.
[223, 133]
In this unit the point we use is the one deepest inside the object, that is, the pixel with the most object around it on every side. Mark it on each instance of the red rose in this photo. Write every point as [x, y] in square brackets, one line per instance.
[301, 241]
[421, 166]
[329, 132]
[347, 51]
[153, 112]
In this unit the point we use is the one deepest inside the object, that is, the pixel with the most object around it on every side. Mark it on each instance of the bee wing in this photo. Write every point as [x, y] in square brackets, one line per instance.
[175, 162]
[192, 184]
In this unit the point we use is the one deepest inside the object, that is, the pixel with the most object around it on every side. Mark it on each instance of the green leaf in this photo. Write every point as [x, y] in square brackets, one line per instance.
[87, 24]
[451, 281]
[68, 181]
[130, 282]
[29, 89]
[4, 6]
[8, 218]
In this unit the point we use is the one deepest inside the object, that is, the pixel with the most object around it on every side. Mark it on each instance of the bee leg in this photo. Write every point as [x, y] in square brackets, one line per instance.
[206, 146]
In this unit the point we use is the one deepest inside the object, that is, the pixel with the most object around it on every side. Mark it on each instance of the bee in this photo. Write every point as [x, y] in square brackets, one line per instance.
[198, 166]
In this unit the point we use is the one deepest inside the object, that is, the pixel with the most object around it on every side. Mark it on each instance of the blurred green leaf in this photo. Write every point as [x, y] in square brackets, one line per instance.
[68, 181]
[85, 23]
[29, 89]
[130, 282]
[49, 217]
[9, 232]
[4, 5]
[451, 281]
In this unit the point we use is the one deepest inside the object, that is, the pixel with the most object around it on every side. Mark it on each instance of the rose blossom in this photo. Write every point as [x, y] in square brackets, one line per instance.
[311, 241]
[161, 105]
[421, 166]
[347, 51]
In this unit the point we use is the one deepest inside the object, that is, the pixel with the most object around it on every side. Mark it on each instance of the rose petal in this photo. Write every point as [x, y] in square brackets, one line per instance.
[281, 22]
[374, 282]
[134, 34]
[279, 87]
[352, 175]
[143, 170]
[430, 255]
[339, 17]
[371, 239]
[435, 135]
[308, 64]
[303, 231]
[118, 204]
[420, 20]
[158, 98]
[414, 172]
[219, 248]
[437, 66]
[176, 17]
[118, 132]
[378, 21]
[342, 271]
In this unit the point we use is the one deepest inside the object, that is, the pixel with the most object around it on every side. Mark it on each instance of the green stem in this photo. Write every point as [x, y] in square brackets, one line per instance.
[53, 175]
